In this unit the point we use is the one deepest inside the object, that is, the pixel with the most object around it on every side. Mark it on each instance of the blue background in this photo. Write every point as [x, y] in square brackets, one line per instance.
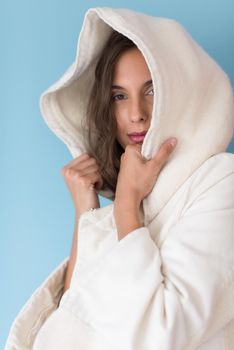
[38, 43]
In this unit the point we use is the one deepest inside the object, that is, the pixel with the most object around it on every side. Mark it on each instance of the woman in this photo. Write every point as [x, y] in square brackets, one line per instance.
[154, 269]
[126, 67]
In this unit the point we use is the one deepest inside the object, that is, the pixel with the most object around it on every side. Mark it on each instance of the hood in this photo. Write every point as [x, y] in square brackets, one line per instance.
[193, 96]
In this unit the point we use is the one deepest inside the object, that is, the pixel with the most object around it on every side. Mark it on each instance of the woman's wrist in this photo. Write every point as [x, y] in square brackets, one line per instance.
[129, 201]
[79, 213]
[127, 217]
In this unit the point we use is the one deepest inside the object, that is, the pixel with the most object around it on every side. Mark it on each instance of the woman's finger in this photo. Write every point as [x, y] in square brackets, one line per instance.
[80, 163]
[164, 152]
[78, 159]
[88, 170]
[91, 179]
[85, 164]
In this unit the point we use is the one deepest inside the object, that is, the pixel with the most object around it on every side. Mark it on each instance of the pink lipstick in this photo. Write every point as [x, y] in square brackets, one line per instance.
[137, 136]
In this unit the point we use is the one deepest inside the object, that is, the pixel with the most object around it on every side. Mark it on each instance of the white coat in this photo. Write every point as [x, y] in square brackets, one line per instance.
[168, 285]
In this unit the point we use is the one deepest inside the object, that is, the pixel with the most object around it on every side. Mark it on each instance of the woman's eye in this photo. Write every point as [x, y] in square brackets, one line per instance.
[151, 90]
[117, 97]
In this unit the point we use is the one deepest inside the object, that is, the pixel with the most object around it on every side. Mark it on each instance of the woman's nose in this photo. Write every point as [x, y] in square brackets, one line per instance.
[137, 111]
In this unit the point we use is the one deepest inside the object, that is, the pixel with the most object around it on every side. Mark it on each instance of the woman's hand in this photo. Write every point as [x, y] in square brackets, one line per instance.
[82, 177]
[136, 176]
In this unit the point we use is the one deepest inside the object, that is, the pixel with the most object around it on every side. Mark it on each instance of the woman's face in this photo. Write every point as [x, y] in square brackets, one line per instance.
[132, 96]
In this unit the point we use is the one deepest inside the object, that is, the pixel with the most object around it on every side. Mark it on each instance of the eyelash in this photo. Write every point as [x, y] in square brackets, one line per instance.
[113, 97]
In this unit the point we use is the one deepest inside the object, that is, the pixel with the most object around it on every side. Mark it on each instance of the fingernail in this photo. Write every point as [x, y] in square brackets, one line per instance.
[173, 141]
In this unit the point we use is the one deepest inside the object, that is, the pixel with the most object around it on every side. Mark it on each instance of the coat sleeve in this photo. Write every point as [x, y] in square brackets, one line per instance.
[173, 296]
[37, 309]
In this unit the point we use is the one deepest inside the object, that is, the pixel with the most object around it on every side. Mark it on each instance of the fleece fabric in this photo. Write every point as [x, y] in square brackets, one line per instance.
[168, 285]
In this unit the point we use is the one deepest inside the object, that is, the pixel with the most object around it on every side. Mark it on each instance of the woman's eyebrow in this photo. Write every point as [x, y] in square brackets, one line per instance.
[148, 82]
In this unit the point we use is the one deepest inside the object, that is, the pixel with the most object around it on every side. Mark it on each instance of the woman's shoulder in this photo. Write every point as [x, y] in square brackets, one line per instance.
[221, 163]
[214, 175]
[214, 170]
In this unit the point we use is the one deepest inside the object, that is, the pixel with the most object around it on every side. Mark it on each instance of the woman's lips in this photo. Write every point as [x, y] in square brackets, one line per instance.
[136, 138]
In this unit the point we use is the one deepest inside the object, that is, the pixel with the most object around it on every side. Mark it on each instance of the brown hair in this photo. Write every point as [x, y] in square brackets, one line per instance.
[101, 124]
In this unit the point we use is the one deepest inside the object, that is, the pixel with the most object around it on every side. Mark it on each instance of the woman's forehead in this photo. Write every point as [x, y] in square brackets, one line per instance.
[131, 65]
